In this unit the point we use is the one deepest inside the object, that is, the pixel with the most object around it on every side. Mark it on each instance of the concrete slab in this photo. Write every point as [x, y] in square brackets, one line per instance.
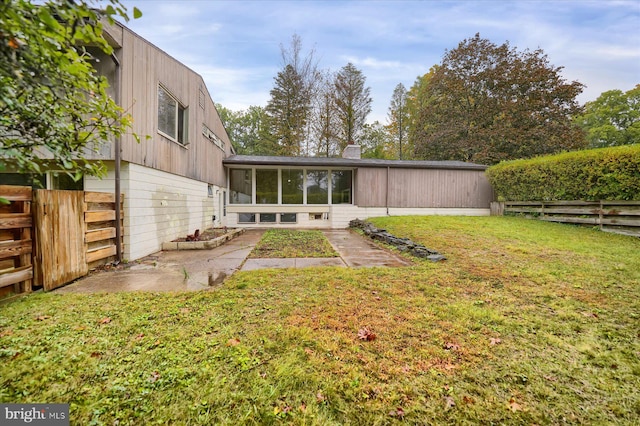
[194, 270]
[172, 270]
[359, 252]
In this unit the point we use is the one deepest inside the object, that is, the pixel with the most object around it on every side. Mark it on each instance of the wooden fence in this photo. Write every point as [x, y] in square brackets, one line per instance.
[16, 270]
[621, 217]
[73, 231]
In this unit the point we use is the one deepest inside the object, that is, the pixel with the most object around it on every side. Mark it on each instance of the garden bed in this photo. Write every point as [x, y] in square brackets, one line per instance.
[210, 238]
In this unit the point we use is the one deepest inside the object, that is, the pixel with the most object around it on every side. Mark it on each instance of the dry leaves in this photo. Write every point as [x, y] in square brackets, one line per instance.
[42, 317]
[233, 342]
[320, 397]
[154, 377]
[514, 406]
[366, 334]
[398, 412]
[451, 346]
[590, 314]
[449, 403]
[495, 341]
[105, 320]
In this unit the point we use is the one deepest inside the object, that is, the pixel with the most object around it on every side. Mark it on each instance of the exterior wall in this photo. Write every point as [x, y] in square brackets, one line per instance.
[143, 67]
[158, 206]
[340, 215]
[422, 188]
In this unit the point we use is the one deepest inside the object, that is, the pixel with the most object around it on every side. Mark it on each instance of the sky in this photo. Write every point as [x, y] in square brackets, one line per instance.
[236, 45]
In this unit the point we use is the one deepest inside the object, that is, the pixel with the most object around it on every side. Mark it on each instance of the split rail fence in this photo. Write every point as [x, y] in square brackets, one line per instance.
[621, 217]
[49, 237]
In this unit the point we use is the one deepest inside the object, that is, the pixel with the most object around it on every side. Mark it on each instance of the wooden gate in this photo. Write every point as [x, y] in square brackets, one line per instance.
[60, 255]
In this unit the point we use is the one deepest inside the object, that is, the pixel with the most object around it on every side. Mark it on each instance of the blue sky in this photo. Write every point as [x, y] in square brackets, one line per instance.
[235, 45]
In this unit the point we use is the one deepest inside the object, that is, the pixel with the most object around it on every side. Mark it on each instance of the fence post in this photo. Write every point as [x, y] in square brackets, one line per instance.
[496, 208]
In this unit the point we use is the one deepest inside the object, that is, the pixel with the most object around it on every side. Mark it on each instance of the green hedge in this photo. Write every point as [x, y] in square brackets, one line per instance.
[591, 175]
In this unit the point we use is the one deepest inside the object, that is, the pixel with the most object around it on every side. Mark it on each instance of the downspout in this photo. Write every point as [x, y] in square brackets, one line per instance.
[386, 198]
[118, 143]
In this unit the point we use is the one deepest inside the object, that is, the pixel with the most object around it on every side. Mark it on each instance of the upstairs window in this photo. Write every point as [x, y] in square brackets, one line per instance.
[173, 118]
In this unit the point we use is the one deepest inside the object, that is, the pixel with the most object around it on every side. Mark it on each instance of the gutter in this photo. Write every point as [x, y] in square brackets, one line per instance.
[118, 145]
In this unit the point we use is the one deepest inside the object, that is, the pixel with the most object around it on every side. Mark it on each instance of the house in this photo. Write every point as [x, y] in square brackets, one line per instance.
[184, 175]
[172, 180]
[329, 192]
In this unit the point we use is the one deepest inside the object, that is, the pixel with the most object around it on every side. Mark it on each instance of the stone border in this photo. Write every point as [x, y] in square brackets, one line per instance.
[402, 244]
[202, 245]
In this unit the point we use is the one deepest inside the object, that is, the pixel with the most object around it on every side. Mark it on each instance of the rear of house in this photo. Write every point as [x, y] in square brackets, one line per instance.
[329, 192]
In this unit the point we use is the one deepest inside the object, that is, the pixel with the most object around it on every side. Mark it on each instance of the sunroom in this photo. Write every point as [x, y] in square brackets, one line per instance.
[286, 191]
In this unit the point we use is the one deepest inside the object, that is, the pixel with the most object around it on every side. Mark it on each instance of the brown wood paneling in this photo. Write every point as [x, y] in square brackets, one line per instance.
[60, 228]
[100, 234]
[423, 188]
[15, 193]
[15, 248]
[13, 220]
[105, 252]
[23, 273]
[100, 216]
[99, 197]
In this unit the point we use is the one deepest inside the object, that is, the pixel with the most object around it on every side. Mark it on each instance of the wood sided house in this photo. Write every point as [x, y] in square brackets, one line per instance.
[186, 176]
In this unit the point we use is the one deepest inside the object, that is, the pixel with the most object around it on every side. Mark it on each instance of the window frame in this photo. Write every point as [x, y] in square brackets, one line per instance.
[180, 118]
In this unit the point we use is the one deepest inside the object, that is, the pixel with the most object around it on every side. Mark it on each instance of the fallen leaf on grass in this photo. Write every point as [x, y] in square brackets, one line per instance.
[449, 403]
[308, 351]
[451, 346]
[7, 332]
[233, 342]
[495, 341]
[551, 378]
[42, 317]
[468, 400]
[79, 328]
[154, 377]
[590, 314]
[303, 407]
[140, 336]
[320, 397]
[514, 406]
[398, 412]
[185, 310]
[95, 354]
[105, 320]
[366, 334]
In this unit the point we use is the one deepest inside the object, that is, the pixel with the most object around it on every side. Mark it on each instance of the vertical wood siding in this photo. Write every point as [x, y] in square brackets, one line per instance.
[143, 67]
[420, 188]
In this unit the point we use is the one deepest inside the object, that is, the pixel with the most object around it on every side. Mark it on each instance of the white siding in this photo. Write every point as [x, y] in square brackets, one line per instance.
[158, 207]
[340, 215]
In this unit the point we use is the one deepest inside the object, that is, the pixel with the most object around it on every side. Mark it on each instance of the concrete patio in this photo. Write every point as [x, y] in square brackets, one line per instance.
[192, 270]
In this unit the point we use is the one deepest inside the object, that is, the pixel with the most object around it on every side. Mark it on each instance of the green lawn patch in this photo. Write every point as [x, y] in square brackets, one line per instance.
[527, 322]
[288, 243]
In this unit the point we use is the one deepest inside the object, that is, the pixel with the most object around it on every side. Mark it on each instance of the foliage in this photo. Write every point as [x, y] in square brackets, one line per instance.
[53, 105]
[526, 323]
[612, 119]
[324, 117]
[247, 129]
[597, 174]
[377, 142]
[486, 103]
[291, 99]
[399, 119]
[286, 243]
[353, 104]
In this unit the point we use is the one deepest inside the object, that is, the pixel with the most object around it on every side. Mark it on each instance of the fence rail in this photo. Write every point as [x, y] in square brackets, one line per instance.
[49, 237]
[16, 245]
[621, 217]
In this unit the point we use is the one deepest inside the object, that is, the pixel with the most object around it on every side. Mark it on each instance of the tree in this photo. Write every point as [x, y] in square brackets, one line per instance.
[612, 119]
[324, 121]
[377, 141]
[486, 103]
[53, 105]
[353, 104]
[247, 130]
[291, 98]
[399, 117]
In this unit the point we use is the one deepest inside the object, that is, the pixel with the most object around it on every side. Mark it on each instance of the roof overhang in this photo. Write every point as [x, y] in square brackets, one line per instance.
[259, 160]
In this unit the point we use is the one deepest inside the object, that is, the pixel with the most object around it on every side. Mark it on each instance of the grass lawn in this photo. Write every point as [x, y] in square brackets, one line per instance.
[527, 322]
[289, 243]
